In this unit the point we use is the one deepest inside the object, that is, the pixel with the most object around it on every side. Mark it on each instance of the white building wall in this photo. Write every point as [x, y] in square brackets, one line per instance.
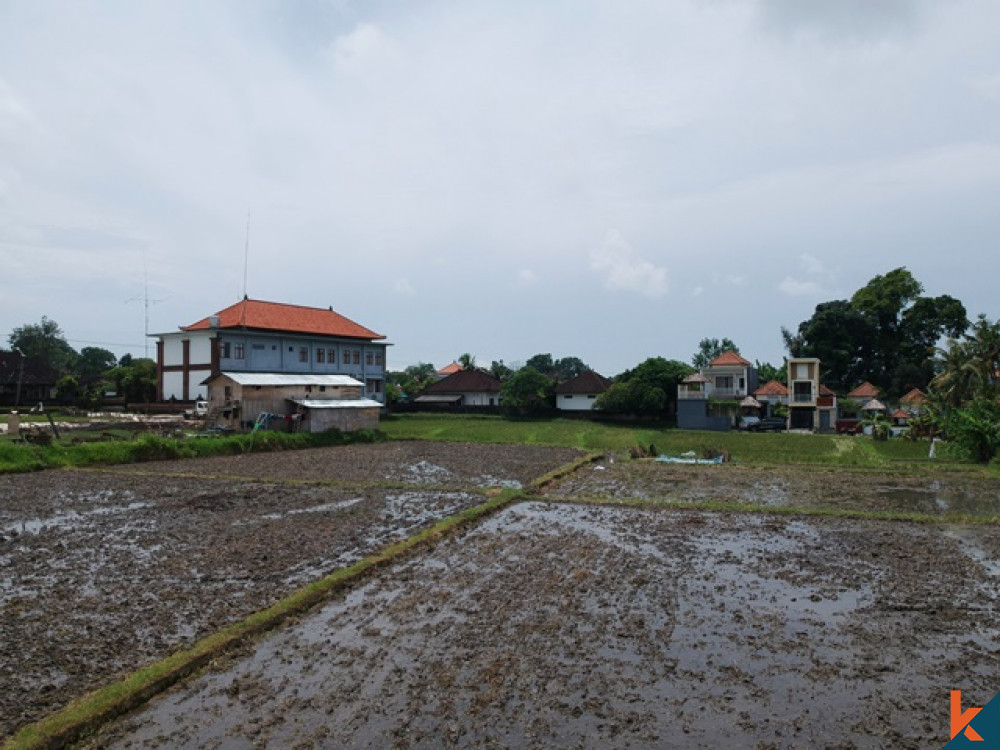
[173, 351]
[195, 389]
[480, 399]
[575, 402]
[173, 385]
[201, 350]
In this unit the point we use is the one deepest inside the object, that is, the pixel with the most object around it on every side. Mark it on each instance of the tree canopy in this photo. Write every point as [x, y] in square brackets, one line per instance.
[527, 391]
[709, 349]
[45, 343]
[884, 334]
[650, 389]
[560, 370]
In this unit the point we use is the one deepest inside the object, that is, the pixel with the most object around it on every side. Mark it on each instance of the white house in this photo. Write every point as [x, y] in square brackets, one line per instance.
[580, 393]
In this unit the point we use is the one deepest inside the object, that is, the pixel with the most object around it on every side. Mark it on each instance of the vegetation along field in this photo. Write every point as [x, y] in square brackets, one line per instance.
[813, 592]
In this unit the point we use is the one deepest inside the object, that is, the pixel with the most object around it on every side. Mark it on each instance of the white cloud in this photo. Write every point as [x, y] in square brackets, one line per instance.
[624, 270]
[697, 291]
[362, 47]
[403, 286]
[797, 288]
[729, 279]
[527, 277]
[812, 265]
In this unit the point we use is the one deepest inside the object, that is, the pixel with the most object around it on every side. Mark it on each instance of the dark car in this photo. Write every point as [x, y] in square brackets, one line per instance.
[770, 424]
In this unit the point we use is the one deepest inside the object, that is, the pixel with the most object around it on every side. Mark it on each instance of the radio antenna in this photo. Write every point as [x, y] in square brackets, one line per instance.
[246, 256]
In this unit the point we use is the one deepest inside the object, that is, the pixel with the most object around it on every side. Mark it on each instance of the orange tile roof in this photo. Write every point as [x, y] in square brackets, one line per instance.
[865, 390]
[450, 369]
[729, 358]
[278, 316]
[772, 388]
[900, 414]
[915, 397]
[824, 391]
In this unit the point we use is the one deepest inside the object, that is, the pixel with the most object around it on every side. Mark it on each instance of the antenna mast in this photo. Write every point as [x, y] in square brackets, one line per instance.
[246, 256]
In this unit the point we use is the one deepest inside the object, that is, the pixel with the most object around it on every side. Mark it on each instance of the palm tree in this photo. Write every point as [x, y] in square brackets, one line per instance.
[467, 361]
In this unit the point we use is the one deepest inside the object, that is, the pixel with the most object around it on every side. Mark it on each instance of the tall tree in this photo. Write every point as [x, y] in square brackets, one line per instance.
[709, 349]
[45, 342]
[884, 334]
[467, 361]
[650, 389]
[527, 391]
[93, 362]
[558, 369]
[500, 371]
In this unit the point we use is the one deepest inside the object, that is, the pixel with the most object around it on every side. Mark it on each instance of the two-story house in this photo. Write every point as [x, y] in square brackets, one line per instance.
[709, 400]
[254, 336]
[811, 405]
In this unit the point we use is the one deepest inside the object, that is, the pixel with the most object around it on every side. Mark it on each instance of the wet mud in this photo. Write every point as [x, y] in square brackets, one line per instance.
[795, 487]
[103, 572]
[559, 625]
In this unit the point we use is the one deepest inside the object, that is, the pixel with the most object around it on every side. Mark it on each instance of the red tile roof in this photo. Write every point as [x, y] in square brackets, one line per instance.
[465, 381]
[278, 316]
[729, 358]
[449, 369]
[865, 390]
[772, 388]
[824, 391]
[915, 397]
[586, 383]
[900, 414]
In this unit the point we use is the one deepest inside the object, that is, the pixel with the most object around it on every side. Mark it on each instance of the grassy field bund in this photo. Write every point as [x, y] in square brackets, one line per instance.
[858, 452]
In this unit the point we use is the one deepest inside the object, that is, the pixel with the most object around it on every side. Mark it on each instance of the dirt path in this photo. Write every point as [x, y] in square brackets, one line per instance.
[586, 626]
[102, 572]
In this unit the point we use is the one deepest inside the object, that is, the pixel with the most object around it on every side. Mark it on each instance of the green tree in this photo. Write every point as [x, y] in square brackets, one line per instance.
[884, 334]
[968, 367]
[559, 370]
[974, 430]
[500, 371]
[650, 389]
[93, 362]
[135, 381]
[542, 363]
[467, 361]
[527, 391]
[766, 372]
[410, 381]
[709, 349]
[45, 343]
[68, 390]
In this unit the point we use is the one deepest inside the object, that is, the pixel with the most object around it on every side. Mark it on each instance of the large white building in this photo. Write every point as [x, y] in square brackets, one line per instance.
[254, 336]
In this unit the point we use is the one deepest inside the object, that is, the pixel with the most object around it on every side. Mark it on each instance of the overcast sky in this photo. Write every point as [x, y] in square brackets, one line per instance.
[606, 180]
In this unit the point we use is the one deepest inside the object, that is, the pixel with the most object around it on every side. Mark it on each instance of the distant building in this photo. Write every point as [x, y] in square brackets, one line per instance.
[254, 336]
[811, 405]
[710, 399]
[580, 393]
[25, 380]
[470, 387]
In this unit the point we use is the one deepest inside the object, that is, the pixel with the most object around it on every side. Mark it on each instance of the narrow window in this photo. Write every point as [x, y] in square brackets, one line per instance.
[321, 356]
[238, 351]
[303, 354]
[369, 359]
[357, 356]
[331, 356]
[225, 350]
[378, 359]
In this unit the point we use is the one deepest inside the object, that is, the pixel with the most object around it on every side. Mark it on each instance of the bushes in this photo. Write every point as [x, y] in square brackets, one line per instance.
[20, 457]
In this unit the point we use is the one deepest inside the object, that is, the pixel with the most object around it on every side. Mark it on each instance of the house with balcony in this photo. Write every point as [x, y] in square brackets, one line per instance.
[710, 399]
[258, 337]
[811, 405]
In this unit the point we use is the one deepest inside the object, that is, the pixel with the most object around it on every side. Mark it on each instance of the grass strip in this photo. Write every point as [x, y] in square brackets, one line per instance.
[86, 714]
[563, 471]
[721, 506]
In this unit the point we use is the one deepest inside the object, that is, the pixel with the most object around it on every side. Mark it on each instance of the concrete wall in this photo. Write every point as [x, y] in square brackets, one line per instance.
[346, 419]
[693, 415]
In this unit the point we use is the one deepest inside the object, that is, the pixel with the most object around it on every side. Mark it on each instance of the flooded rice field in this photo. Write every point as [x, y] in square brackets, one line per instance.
[793, 486]
[550, 624]
[102, 572]
[588, 626]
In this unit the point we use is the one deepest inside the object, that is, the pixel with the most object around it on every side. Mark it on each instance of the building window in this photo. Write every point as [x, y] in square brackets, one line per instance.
[724, 382]
[369, 359]
[322, 389]
[227, 392]
[378, 359]
[357, 356]
[303, 354]
[321, 356]
[225, 350]
[331, 356]
[239, 352]
[568, 395]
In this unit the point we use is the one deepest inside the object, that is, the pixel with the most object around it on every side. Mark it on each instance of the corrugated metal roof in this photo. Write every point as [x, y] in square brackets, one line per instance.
[337, 403]
[281, 378]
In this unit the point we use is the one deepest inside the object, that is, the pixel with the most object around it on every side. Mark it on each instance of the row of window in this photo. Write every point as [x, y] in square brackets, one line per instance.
[323, 356]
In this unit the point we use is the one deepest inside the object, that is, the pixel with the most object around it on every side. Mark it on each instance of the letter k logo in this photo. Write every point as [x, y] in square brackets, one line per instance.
[960, 721]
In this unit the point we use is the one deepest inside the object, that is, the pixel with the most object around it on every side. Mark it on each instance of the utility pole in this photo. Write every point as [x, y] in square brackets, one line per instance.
[20, 378]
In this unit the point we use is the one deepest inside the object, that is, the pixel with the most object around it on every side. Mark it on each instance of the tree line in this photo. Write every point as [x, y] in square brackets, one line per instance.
[84, 377]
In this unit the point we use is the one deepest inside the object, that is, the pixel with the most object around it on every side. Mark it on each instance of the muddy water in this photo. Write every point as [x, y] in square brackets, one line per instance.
[559, 625]
[784, 487]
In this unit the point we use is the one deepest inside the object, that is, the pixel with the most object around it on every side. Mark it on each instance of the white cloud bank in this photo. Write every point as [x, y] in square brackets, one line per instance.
[625, 270]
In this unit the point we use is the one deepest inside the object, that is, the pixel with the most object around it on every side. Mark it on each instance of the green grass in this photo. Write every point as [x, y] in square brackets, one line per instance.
[21, 457]
[748, 448]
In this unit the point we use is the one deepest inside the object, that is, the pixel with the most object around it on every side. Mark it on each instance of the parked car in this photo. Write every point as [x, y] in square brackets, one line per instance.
[768, 424]
[748, 423]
